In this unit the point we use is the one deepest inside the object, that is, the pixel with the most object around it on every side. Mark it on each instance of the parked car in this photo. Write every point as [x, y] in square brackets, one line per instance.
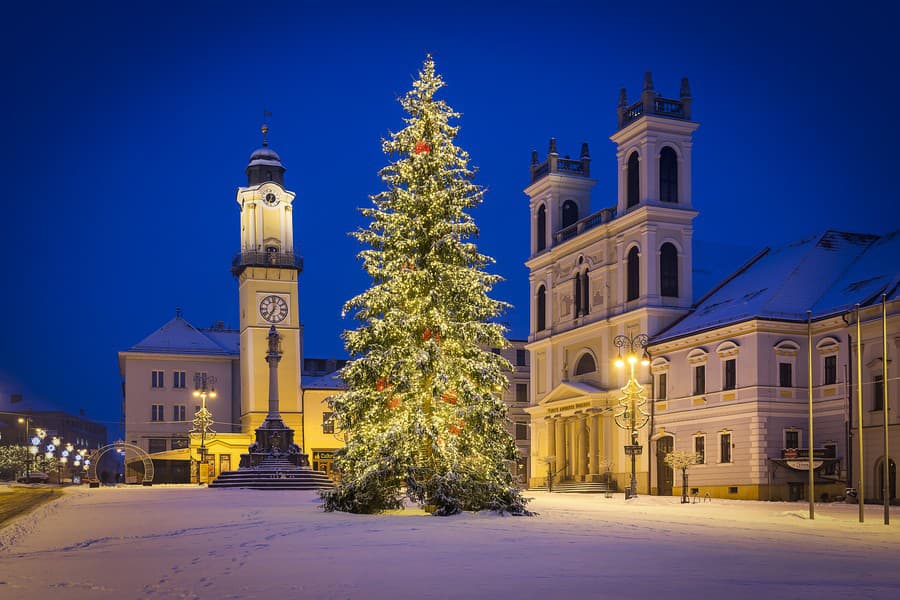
[34, 477]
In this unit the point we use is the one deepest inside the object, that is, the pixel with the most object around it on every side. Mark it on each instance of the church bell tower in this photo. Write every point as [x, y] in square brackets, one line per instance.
[267, 269]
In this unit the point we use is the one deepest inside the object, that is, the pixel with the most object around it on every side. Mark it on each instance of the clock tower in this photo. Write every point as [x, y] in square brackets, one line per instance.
[266, 269]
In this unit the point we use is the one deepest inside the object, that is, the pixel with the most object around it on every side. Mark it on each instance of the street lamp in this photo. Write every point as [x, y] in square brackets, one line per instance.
[204, 387]
[630, 414]
[27, 421]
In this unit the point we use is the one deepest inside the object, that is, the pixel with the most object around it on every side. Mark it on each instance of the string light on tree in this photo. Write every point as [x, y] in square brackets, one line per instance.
[423, 409]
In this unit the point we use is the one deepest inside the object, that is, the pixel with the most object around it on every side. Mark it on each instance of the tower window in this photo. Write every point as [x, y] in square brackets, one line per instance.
[585, 365]
[569, 213]
[541, 232]
[633, 272]
[541, 308]
[633, 181]
[668, 270]
[668, 175]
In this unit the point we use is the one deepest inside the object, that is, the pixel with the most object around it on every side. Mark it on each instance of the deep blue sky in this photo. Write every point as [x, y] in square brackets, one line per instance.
[127, 130]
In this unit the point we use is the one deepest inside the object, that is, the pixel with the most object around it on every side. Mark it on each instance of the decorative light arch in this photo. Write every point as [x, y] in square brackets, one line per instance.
[125, 447]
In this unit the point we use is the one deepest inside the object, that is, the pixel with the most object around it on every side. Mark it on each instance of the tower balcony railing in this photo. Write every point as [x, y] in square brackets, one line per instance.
[283, 260]
[659, 106]
[600, 217]
[565, 166]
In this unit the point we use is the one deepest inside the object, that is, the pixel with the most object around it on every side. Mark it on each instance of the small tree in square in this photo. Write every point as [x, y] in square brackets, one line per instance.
[423, 413]
[679, 459]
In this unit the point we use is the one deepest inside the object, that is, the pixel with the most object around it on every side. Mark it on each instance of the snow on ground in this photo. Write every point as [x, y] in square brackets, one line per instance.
[191, 542]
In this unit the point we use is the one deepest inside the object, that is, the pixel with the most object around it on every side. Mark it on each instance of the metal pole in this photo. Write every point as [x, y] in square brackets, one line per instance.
[861, 490]
[812, 485]
[202, 439]
[885, 486]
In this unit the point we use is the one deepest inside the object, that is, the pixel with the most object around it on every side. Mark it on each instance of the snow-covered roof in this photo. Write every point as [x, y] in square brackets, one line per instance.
[331, 381]
[826, 273]
[180, 337]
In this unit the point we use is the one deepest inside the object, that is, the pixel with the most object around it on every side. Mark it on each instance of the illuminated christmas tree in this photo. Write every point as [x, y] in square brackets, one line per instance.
[423, 412]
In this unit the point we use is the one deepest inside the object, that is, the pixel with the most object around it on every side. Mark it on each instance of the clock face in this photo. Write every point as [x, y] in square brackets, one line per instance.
[271, 199]
[273, 309]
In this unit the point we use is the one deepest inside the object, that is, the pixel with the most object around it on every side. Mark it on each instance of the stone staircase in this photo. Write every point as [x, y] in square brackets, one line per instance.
[578, 487]
[274, 473]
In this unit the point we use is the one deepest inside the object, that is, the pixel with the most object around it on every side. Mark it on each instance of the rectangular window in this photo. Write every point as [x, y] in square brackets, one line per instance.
[178, 379]
[521, 359]
[785, 375]
[699, 380]
[156, 445]
[700, 449]
[791, 439]
[725, 448]
[878, 393]
[522, 392]
[178, 412]
[730, 374]
[156, 412]
[157, 379]
[327, 422]
[661, 385]
[495, 350]
[830, 370]
[178, 443]
[521, 431]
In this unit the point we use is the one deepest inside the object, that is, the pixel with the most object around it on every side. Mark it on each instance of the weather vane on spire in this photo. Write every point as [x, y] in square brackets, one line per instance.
[265, 126]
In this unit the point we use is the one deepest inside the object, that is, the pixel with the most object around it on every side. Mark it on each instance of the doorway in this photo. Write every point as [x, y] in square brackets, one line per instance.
[665, 476]
[879, 479]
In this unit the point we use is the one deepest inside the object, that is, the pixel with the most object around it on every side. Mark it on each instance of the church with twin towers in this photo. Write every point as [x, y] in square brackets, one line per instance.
[726, 379]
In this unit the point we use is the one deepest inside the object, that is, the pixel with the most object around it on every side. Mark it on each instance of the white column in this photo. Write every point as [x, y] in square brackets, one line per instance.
[260, 230]
[594, 424]
[560, 438]
[289, 226]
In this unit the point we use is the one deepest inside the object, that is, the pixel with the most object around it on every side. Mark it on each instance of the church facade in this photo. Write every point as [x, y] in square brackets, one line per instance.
[727, 376]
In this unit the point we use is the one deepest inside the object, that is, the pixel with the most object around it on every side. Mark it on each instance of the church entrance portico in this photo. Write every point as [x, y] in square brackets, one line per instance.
[574, 433]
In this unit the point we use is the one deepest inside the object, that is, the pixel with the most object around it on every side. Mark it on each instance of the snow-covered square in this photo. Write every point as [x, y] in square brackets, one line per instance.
[194, 542]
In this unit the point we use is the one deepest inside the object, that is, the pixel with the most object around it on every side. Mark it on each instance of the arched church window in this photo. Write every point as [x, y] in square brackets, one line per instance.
[585, 364]
[541, 309]
[577, 295]
[633, 181]
[541, 229]
[668, 175]
[586, 293]
[633, 272]
[668, 270]
[569, 213]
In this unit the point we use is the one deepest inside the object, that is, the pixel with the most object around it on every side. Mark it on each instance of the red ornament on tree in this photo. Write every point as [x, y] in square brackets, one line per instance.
[422, 147]
[381, 384]
[427, 333]
[449, 397]
[393, 402]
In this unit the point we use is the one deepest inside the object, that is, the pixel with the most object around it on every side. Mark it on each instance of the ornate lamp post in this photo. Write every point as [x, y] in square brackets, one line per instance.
[204, 387]
[630, 414]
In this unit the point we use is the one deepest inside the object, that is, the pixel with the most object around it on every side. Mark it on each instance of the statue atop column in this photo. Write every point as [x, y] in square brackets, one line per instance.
[274, 439]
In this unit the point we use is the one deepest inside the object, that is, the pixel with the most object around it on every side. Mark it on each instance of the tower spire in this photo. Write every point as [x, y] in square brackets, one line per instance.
[265, 127]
